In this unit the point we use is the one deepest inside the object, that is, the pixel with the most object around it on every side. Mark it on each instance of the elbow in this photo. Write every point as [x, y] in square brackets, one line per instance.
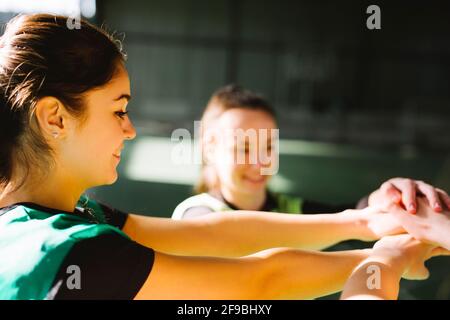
[270, 276]
[259, 283]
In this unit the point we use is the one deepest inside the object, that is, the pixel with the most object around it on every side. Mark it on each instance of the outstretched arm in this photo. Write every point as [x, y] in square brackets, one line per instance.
[271, 274]
[239, 233]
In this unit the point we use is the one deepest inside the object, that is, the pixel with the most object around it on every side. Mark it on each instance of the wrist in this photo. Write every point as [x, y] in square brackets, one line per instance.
[394, 260]
[365, 253]
[357, 225]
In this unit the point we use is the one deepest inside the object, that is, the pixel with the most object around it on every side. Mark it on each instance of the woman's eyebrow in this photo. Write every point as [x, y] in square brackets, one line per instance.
[123, 96]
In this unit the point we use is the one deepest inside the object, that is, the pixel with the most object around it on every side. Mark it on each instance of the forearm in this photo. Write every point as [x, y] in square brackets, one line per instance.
[271, 274]
[241, 233]
[296, 274]
[253, 231]
[376, 278]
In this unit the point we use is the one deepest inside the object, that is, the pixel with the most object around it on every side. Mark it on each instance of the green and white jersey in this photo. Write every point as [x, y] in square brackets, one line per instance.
[206, 203]
[39, 244]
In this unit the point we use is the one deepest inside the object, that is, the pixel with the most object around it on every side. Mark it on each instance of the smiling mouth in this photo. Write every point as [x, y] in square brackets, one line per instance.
[258, 180]
[117, 155]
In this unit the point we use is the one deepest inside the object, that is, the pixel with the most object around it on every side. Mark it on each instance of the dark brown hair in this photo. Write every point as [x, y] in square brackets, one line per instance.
[40, 56]
[226, 98]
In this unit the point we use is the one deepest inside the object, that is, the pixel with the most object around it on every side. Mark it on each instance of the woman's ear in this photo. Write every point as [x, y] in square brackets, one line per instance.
[51, 117]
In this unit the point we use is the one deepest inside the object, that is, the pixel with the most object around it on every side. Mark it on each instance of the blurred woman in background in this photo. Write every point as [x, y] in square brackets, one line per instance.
[227, 184]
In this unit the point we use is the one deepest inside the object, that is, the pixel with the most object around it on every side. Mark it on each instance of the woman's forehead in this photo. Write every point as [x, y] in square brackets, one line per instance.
[118, 86]
[121, 81]
[245, 119]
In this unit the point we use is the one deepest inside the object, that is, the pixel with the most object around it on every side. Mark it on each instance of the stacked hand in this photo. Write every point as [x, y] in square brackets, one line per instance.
[426, 225]
[415, 208]
[394, 257]
[404, 192]
[407, 255]
[412, 219]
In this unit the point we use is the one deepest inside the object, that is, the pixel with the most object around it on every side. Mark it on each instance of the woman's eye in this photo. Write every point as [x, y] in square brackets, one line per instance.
[121, 114]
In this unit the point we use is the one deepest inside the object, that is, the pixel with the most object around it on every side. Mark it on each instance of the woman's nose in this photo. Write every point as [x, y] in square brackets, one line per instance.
[129, 130]
[260, 160]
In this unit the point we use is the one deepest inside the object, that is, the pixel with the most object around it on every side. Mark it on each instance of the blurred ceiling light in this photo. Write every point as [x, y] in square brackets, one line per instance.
[87, 8]
[150, 160]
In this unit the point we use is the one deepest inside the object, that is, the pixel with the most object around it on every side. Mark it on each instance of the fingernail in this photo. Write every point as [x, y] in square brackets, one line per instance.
[437, 207]
[412, 208]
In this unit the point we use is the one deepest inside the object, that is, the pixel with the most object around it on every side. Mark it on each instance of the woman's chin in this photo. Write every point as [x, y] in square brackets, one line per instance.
[111, 179]
[114, 178]
[103, 182]
[255, 185]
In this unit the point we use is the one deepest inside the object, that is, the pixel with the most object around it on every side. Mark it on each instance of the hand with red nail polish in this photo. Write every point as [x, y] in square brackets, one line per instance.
[412, 208]
[437, 207]
[405, 192]
[425, 225]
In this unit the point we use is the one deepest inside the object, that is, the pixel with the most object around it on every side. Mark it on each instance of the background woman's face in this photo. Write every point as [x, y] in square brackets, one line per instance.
[243, 176]
[93, 151]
